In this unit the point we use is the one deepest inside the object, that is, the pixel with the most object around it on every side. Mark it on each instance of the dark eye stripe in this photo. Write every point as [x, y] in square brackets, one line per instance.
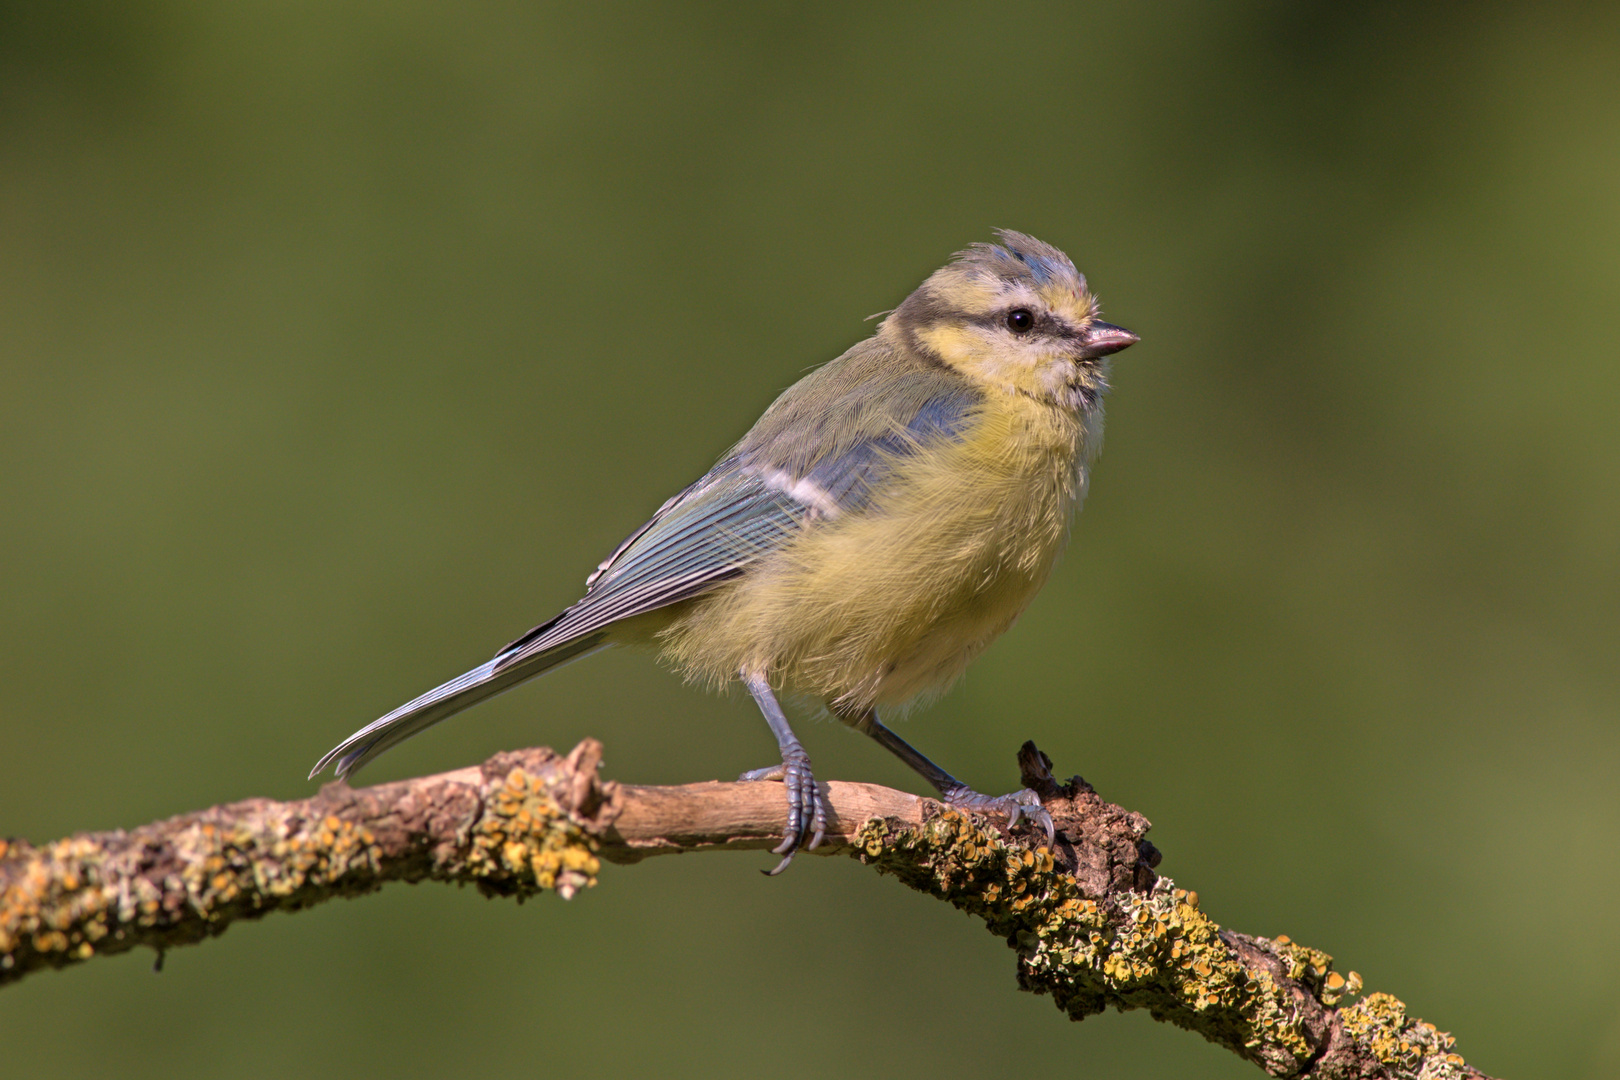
[1047, 323]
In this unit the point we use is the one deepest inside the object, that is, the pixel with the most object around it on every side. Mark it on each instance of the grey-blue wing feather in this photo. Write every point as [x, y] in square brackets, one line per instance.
[849, 478]
[712, 533]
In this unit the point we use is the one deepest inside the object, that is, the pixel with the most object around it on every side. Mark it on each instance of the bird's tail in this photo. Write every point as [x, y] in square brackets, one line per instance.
[462, 692]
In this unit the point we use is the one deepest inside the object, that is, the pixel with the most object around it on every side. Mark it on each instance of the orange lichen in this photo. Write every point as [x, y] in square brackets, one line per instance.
[526, 843]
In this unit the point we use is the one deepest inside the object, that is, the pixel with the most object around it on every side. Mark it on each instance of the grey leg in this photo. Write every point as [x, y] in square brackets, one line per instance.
[1021, 804]
[807, 810]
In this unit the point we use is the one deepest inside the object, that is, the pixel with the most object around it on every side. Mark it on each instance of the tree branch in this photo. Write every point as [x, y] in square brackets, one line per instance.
[1092, 923]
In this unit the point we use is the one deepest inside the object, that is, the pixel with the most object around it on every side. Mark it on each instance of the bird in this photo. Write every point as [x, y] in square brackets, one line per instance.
[888, 516]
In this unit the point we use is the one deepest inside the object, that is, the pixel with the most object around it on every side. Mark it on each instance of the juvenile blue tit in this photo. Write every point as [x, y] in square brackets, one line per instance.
[886, 519]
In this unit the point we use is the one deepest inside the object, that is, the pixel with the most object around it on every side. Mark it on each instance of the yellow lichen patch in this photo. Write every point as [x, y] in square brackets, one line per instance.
[76, 892]
[1336, 987]
[226, 866]
[53, 906]
[1303, 962]
[1411, 1048]
[525, 843]
[1314, 968]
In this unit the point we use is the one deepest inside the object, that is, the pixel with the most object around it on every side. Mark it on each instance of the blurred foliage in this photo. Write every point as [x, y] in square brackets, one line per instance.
[340, 341]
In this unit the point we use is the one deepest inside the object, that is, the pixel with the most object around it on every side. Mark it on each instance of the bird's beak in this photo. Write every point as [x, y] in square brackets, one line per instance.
[1105, 339]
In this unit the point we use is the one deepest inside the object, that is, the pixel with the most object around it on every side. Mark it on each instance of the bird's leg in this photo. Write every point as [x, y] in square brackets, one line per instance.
[1020, 804]
[807, 809]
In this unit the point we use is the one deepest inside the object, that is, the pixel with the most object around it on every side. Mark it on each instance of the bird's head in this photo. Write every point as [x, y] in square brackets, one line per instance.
[1016, 316]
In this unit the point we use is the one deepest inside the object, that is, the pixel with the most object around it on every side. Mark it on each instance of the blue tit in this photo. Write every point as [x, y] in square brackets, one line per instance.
[884, 521]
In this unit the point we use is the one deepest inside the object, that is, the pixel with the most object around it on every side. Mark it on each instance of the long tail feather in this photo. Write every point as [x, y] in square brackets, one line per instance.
[464, 691]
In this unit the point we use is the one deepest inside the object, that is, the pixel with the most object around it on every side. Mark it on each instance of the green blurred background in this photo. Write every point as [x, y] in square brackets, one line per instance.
[340, 342]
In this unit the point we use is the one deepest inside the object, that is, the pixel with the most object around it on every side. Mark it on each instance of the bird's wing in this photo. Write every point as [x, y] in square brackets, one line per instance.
[708, 533]
[746, 507]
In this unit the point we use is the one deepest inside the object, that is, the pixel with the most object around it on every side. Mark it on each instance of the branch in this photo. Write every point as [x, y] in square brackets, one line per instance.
[1092, 923]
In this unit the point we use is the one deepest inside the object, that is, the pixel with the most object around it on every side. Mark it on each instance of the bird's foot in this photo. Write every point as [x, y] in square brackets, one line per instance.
[807, 807]
[1025, 805]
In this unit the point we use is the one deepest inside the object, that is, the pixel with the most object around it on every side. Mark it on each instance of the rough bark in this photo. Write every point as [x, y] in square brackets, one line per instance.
[1093, 924]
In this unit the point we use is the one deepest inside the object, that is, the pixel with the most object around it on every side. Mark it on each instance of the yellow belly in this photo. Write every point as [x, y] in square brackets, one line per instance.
[879, 607]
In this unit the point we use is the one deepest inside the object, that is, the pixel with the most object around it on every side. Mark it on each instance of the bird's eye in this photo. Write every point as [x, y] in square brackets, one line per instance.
[1019, 320]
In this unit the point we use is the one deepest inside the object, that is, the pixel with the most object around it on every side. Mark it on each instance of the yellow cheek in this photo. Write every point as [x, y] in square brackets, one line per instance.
[953, 344]
[988, 362]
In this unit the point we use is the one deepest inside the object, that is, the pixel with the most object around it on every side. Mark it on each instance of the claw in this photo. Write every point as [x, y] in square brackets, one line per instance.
[807, 810]
[1019, 806]
[1044, 820]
